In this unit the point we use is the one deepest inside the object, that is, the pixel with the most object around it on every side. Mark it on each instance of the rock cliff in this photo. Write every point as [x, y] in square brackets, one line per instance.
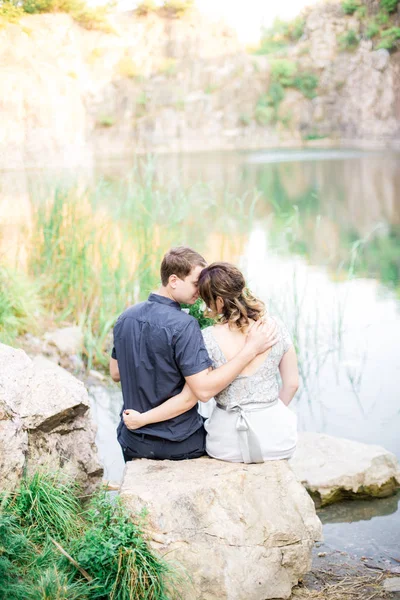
[68, 95]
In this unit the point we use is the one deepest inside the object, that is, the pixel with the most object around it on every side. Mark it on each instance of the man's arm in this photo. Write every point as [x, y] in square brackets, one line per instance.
[169, 409]
[208, 383]
[260, 339]
[114, 370]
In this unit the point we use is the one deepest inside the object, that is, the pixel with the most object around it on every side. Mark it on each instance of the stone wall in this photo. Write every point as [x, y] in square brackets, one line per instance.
[68, 95]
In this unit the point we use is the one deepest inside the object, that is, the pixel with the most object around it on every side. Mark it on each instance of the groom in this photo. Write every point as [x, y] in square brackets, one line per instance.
[157, 347]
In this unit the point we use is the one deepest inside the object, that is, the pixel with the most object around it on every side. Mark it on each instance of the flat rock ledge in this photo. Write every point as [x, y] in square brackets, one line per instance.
[334, 469]
[239, 531]
[44, 421]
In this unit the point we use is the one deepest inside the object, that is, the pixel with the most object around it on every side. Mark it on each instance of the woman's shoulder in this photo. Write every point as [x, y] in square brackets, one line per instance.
[283, 331]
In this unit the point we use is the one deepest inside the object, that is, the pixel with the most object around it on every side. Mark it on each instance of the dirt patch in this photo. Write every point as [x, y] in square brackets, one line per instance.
[338, 576]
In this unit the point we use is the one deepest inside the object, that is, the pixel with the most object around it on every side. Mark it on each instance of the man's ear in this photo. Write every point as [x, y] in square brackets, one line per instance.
[172, 280]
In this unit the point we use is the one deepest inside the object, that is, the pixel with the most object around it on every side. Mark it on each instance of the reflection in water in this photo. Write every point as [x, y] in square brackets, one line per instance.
[364, 528]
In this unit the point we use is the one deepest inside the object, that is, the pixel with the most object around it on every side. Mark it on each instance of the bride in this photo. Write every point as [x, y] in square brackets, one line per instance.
[251, 421]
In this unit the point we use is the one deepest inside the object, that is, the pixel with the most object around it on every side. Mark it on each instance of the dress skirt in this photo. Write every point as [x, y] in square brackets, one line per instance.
[251, 433]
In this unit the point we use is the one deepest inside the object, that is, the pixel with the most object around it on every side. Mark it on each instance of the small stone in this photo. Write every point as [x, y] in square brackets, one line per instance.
[392, 584]
[321, 554]
[97, 375]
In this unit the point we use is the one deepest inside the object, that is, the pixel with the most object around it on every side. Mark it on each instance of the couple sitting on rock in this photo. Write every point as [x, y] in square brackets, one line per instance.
[166, 364]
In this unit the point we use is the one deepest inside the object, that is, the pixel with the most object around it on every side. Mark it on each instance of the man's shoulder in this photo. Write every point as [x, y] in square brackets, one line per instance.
[132, 311]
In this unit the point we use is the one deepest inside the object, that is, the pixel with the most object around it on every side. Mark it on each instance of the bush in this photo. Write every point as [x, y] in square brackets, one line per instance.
[280, 35]
[176, 8]
[361, 12]
[307, 84]
[282, 71]
[349, 40]
[264, 115]
[106, 121]
[389, 38]
[389, 6]
[90, 18]
[382, 18]
[145, 7]
[350, 6]
[127, 68]
[115, 560]
[19, 305]
[10, 12]
[371, 30]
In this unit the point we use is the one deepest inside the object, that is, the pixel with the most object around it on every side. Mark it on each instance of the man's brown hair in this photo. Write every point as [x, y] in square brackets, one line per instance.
[180, 261]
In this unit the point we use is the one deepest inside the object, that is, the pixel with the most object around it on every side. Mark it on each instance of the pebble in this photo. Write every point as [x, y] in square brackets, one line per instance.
[392, 584]
[321, 554]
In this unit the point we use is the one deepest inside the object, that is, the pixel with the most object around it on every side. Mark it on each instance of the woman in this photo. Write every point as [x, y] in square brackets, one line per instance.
[251, 422]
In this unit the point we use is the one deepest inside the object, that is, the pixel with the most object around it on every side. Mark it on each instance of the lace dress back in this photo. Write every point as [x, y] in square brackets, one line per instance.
[261, 387]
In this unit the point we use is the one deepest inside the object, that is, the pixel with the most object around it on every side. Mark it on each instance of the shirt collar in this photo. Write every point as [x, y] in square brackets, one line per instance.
[164, 300]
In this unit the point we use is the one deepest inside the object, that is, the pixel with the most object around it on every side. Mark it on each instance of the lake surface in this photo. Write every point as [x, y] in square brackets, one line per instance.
[317, 233]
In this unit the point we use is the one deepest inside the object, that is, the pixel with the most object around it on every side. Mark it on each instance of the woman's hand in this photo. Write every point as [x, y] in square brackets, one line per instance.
[133, 419]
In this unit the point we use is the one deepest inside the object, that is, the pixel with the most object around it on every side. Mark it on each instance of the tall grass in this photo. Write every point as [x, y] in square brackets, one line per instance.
[20, 305]
[94, 251]
[53, 548]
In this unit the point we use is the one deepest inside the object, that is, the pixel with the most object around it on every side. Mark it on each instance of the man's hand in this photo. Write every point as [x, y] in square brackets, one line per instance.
[262, 336]
[133, 419]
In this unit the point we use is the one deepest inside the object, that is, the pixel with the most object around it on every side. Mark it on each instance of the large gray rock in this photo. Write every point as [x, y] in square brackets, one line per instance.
[240, 531]
[334, 468]
[44, 420]
[67, 340]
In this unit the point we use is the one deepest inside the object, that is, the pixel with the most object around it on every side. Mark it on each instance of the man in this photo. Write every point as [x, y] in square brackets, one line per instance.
[157, 346]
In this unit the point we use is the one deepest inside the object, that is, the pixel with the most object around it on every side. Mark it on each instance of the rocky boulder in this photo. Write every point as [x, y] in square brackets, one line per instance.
[239, 531]
[334, 468]
[44, 420]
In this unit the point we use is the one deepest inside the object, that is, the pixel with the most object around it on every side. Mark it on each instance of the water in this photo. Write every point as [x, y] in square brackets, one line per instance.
[318, 236]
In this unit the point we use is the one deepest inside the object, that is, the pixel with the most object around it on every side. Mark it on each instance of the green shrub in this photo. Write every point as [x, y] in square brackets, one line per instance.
[37, 6]
[19, 305]
[296, 28]
[245, 119]
[145, 7]
[9, 12]
[350, 6]
[276, 94]
[389, 38]
[126, 67]
[90, 18]
[264, 115]
[114, 556]
[114, 552]
[313, 136]
[306, 83]
[280, 35]
[371, 30]
[106, 121]
[197, 310]
[349, 40]
[283, 71]
[382, 18]
[389, 6]
[176, 8]
[361, 12]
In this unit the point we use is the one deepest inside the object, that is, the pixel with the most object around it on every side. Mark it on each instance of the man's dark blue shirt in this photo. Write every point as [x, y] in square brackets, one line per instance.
[157, 345]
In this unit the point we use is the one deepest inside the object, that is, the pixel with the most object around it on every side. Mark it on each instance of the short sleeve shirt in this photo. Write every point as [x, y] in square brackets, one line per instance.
[157, 345]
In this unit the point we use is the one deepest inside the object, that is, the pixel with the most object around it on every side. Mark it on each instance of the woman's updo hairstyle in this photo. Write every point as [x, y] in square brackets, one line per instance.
[225, 280]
